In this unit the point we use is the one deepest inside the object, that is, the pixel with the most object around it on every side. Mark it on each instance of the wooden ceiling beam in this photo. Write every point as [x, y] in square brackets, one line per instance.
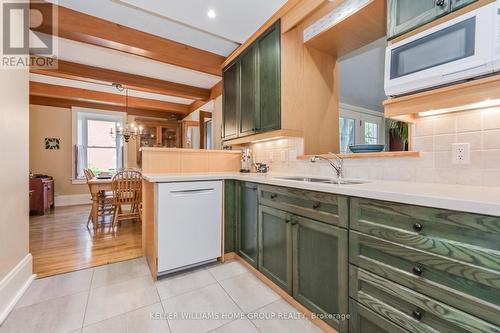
[79, 94]
[89, 29]
[68, 104]
[70, 70]
[216, 91]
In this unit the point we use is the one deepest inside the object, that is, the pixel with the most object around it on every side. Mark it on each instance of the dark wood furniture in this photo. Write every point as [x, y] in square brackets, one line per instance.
[42, 197]
[157, 133]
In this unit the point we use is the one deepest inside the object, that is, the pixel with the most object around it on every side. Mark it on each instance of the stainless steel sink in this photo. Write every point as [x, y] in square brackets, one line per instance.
[323, 180]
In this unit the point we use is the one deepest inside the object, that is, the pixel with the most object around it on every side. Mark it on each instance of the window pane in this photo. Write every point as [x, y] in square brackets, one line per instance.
[101, 158]
[98, 133]
[371, 133]
[346, 133]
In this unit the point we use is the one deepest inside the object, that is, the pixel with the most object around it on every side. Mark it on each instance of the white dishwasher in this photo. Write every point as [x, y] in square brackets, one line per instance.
[189, 224]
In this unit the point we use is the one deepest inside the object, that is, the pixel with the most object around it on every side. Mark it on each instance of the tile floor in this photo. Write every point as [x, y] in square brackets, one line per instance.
[122, 297]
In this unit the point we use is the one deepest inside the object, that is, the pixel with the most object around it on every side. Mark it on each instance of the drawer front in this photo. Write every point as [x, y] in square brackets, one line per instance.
[363, 320]
[471, 288]
[409, 309]
[469, 238]
[325, 207]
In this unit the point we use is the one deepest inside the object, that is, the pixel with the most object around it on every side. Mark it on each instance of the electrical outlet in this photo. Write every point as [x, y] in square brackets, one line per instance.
[460, 153]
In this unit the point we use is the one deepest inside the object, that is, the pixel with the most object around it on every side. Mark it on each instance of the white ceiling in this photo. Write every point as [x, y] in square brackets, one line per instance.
[185, 21]
[91, 55]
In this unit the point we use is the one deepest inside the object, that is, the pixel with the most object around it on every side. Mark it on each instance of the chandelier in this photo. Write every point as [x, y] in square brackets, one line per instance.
[126, 132]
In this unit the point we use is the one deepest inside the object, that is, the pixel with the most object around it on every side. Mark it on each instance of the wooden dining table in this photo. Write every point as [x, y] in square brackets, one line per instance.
[96, 185]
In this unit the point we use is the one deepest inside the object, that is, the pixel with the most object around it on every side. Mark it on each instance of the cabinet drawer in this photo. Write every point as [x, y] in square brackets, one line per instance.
[410, 309]
[364, 320]
[328, 208]
[469, 238]
[471, 288]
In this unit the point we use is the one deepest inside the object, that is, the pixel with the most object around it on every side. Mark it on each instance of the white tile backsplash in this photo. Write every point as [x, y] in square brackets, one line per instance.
[433, 137]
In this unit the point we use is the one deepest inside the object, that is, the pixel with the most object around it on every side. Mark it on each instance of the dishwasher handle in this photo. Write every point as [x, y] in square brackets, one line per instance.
[194, 191]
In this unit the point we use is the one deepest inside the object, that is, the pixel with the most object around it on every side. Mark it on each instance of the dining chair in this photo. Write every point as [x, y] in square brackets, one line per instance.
[127, 191]
[104, 200]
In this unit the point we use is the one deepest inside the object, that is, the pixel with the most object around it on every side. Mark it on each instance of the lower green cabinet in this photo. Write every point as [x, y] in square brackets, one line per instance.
[364, 320]
[320, 264]
[309, 260]
[230, 204]
[247, 241]
[275, 246]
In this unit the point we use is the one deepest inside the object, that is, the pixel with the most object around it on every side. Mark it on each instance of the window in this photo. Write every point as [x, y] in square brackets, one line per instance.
[95, 148]
[359, 126]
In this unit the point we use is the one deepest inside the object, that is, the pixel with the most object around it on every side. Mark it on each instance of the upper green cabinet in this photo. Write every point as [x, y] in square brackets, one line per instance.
[252, 94]
[231, 101]
[406, 15]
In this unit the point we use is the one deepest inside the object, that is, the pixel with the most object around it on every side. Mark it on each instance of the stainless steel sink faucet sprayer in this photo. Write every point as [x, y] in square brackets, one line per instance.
[337, 164]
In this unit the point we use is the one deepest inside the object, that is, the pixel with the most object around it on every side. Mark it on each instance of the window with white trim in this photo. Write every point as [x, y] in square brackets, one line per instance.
[94, 147]
[359, 126]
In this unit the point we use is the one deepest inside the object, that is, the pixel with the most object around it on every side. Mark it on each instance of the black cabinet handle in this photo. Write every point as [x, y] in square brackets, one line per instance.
[254, 188]
[417, 315]
[440, 3]
[418, 227]
[317, 205]
[294, 222]
[287, 221]
[418, 270]
[273, 196]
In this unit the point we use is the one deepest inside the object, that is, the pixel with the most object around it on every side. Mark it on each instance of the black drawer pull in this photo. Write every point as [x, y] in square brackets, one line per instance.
[294, 222]
[287, 221]
[273, 196]
[417, 315]
[418, 270]
[317, 205]
[418, 227]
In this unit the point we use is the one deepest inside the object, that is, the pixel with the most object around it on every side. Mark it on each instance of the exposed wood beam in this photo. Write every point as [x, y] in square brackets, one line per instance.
[216, 91]
[196, 105]
[68, 104]
[79, 94]
[75, 71]
[89, 29]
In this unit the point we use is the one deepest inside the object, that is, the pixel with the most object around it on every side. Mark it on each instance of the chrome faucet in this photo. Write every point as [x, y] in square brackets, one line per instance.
[337, 164]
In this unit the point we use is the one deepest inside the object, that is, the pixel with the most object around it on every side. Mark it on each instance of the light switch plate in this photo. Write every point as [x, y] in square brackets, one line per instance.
[460, 153]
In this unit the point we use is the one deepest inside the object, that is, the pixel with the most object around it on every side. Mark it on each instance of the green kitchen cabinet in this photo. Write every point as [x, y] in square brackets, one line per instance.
[231, 101]
[457, 4]
[269, 114]
[247, 241]
[230, 218]
[364, 320]
[275, 246]
[249, 106]
[406, 15]
[320, 269]
[252, 88]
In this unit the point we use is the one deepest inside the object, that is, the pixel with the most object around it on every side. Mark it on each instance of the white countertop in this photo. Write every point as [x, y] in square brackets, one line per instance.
[473, 199]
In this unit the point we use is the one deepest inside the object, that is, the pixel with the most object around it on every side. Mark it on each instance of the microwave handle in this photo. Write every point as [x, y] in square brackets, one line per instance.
[463, 70]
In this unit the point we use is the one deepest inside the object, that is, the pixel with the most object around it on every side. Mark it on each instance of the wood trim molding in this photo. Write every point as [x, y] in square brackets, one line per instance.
[264, 136]
[203, 115]
[68, 104]
[70, 70]
[89, 29]
[79, 94]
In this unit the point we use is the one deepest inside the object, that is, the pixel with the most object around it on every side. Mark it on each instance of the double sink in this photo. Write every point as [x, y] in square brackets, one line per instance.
[323, 180]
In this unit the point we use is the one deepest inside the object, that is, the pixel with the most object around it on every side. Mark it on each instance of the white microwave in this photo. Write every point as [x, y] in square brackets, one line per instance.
[461, 48]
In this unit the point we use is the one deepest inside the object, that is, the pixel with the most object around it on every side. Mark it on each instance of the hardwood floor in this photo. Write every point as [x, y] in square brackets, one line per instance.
[60, 241]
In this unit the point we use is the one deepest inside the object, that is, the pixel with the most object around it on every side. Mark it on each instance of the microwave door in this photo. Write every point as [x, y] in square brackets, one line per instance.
[450, 52]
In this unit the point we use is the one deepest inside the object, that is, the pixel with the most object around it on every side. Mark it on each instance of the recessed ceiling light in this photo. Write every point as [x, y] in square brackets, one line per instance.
[211, 13]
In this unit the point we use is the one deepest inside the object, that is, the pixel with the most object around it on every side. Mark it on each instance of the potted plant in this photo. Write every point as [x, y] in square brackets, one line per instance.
[398, 135]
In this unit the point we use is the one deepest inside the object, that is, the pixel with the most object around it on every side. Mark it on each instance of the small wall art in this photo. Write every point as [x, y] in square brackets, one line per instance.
[52, 143]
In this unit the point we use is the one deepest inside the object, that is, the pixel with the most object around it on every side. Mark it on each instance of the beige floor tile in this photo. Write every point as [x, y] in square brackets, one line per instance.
[178, 284]
[119, 272]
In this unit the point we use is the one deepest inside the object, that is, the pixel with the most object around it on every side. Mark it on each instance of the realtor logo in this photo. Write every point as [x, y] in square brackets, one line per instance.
[28, 36]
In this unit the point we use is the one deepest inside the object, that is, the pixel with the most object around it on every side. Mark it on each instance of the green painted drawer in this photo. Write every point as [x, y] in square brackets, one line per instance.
[471, 288]
[468, 238]
[363, 320]
[410, 309]
[325, 207]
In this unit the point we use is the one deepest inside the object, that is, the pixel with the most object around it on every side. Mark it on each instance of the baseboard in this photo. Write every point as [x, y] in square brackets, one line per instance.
[14, 284]
[72, 200]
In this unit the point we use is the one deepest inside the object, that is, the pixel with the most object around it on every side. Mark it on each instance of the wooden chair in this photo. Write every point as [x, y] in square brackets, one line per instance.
[127, 190]
[105, 200]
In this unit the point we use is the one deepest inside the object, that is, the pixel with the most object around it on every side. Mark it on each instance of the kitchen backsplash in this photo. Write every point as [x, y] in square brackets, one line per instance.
[432, 136]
